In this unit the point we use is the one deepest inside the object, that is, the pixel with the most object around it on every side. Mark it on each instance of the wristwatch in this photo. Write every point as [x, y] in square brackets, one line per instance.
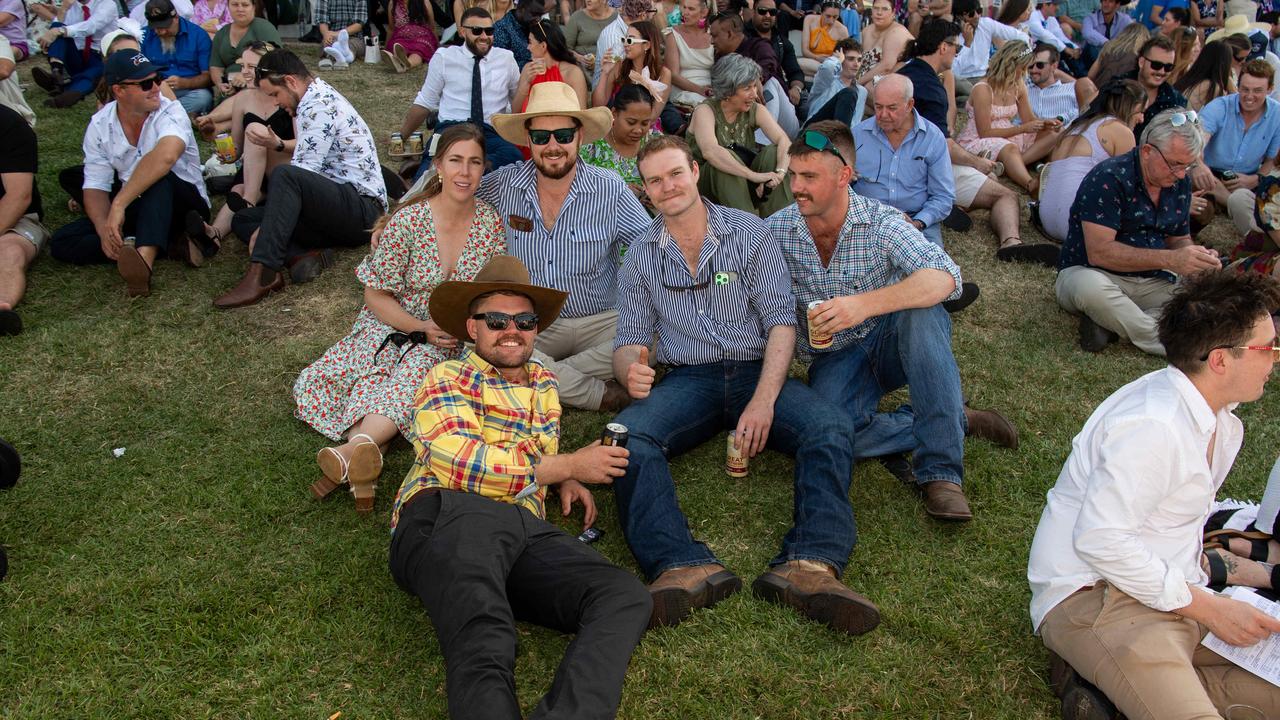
[279, 145]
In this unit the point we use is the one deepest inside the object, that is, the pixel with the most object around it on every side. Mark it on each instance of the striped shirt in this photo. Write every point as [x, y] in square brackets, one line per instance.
[876, 248]
[1057, 100]
[724, 311]
[600, 219]
[474, 431]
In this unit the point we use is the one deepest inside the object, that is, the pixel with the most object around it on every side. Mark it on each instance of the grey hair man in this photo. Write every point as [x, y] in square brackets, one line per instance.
[1130, 236]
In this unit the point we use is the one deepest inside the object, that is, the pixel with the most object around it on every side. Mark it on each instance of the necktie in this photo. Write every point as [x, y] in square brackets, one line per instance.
[88, 41]
[477, 101]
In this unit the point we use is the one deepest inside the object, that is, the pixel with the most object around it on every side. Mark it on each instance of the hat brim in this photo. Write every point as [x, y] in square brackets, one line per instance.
[595, 121]
[10, 466]
[450, 301]
[1246, 31]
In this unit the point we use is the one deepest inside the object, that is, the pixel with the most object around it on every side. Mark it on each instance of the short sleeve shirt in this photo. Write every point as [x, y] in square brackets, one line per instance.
[18, 153]
[1232, 147]
[225, 55]
[1166, 98]
[931, 96]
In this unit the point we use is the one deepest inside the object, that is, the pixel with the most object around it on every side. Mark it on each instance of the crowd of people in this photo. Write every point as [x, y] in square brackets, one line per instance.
[651, 209]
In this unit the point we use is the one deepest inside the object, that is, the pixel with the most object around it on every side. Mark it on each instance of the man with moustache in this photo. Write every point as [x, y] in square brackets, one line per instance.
[469, 83]
[710, 283]
[880, 284]
[469, 530]
[328, 195]
[570, 223]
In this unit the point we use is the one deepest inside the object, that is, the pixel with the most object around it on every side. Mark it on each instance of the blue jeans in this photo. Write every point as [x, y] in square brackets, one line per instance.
[196, 101]
[913, 348]
[695, 403]
[497, 150]
[83, 71]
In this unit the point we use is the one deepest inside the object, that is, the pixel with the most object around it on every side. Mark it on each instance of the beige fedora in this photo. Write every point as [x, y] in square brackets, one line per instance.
[1238, 25]
[451, 300]
[552, 98]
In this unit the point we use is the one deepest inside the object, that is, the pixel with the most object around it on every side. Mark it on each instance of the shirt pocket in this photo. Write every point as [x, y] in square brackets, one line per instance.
[727, 302]
[589, 247]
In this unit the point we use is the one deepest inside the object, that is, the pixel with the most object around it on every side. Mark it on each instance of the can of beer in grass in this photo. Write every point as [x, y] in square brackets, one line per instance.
[397, 144]
[736, 461]
[615, 434]
[129, 240]
[415, 144]
[225, 145]
[817, 340]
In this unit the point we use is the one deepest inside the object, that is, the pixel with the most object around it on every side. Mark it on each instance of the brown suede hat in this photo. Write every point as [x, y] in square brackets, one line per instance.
[451, 299]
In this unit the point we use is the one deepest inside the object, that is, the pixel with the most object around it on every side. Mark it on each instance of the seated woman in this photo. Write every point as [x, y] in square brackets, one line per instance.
[1119, 56]
[882, 42]
[362, 388]
[1209, 77]
[689, 55]
[734, 169]
[411, 36]
[632, 124]
[641, 64]
[229, 44]
[1240, 545]
[210, 15]
[1175, 18]
[583, 29]
[552, 62]
[1103, 130]
[992, 106]
[1186, 48]
[821, 33]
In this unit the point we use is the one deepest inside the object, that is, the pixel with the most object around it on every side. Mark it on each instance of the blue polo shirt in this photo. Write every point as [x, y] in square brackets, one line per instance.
[915, 178]
[1232, 147]
[1113, 195]
[190, 55]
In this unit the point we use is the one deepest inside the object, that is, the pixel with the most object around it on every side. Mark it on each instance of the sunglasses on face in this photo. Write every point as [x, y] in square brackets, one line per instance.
[496, 321]
[822, 143]
[478, 31]
[1240, 59]
[563, 136]
[767, 11]
[1158, 66]
[628, 40]
[1039, 65]
[144, 85]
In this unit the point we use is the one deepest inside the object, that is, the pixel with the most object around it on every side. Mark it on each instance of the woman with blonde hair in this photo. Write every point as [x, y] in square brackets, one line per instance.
[1120, 55]
[362, 388]
[1186, 48]
[689, 55]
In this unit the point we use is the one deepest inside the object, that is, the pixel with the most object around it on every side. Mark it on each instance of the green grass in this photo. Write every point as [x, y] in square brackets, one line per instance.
[194, 577]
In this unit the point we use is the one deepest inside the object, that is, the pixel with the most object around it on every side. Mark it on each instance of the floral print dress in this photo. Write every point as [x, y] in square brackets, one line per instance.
[349, 382]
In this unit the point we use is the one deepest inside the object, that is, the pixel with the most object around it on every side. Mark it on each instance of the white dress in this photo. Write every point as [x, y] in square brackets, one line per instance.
[695, 66]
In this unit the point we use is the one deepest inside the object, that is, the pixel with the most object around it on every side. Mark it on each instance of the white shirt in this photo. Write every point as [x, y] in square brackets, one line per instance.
[447, 88]
[10, 91]
[610, 40]
[335, 143]
[108, 153]
[1130, 504]
[1048, 30]
[971, 61]
[101, 20]
[1056, 100]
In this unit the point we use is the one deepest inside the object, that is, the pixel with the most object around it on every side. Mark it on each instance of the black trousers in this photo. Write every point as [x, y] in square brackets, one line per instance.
[158, 214]
[306, 211]
[478, 566]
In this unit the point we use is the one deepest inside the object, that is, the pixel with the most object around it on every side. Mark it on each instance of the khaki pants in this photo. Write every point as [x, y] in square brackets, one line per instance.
[1127, 306]
[580, 352]
[1149, 663]
[1240, 206]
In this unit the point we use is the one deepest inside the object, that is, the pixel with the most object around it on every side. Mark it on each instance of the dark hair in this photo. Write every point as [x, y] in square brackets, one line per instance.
[848, 44]
[933, 32]
[652, 53]
[1180, 14]
[733, 19]
[1214, 309]
[1213, 65]
[417, 11]
[1054, 55]
[545, 31]
[837, 132]
[261, 47]
[1270, 18]
[1010, 11]
[630, 94]
[1118, 99]
[964, 8]
[1238, 42]
[658, 143]
[473, 12]
[1156, 41]
[475, 301]
[281, 62]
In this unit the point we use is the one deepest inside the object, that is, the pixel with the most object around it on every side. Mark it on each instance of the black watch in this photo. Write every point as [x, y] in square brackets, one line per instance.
[279, 145]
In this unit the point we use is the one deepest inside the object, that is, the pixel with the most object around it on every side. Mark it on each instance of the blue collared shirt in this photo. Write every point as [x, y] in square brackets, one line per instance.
[191, 49]
[876, 249]
[724, 310]
[1114, 195]
[1231, 146]
[916, 178]
[580, 254]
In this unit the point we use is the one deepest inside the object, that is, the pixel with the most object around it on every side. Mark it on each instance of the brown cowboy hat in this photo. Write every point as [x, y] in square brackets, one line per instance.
[450, 301]
[558, 99]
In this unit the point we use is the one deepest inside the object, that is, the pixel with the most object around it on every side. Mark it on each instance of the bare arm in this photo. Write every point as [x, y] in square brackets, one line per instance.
[413, 120]
[703, 127]
[6, 69]
[1181, 257]
[981, 100]
[390, 311]
[577, 80]
[17, 196]
[776, 134]
[752, 431]
[673, 64]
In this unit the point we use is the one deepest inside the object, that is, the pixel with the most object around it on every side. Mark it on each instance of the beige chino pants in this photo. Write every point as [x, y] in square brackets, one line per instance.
[580, 352]
[1127, 306]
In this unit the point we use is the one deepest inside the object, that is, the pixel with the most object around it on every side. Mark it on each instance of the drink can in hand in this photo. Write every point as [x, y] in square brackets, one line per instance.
[615, 434]
[736, 460]
[225, 146]
[817, 340]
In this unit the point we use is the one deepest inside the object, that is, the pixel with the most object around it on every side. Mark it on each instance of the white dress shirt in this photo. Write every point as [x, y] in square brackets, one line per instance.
[108, 154]
[1130, 504]
[1048, 30]
[137, 13]
[100, 21]
[447, 88]
[972, 60]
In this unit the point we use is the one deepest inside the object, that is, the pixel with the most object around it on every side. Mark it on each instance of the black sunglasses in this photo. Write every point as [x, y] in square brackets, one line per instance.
[496, 321]
[478, 30]
[1158, 66]
[564, 136]
[1040, 65]
[144, 85]
[767, 11]
[413, 339]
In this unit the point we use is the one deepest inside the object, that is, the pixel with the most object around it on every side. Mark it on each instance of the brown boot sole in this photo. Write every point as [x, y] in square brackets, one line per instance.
[363, 471]
[134, 270]
[672, 605]
[855, 616]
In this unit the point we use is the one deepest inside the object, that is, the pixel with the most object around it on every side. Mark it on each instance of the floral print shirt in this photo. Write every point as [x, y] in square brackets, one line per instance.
[334, 141]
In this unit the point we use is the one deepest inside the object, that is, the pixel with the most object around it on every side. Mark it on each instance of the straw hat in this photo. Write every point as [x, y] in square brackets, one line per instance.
[1238, 25]
[450, 302]
[552, 98]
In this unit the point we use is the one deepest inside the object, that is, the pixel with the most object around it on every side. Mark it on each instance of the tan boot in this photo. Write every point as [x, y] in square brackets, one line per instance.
[258, 282]
[812, 588]
[946, 501]
[679, 591]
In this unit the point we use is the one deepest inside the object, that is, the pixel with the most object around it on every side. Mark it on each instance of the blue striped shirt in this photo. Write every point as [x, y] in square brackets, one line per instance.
[915, 178]
[600, 219]
[876, 248]
[724, 311]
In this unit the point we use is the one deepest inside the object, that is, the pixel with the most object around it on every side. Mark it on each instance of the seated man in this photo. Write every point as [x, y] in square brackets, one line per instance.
[180, 50]
[1043, 26]
[20, 210]
[338, 22]
[888, 325]
[1242, 137]
[469, 83]
[1050, 97]
[469, 530]
[327, 196]
[763, 23]
[142, 179]
[74, 46]
[1155, 62]
[729, 362]
[569, 222]
[1130, 237]
[836, 95]
[1116, 585]
[512, 31]
[1102, 25]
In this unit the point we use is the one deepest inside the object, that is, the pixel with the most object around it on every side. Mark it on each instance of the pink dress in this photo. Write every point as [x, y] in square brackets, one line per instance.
[417, 40]
[1001, 117]
[220, 13]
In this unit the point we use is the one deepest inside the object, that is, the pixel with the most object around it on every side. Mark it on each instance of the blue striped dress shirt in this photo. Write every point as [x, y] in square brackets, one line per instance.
[580, 254]
[725, 311]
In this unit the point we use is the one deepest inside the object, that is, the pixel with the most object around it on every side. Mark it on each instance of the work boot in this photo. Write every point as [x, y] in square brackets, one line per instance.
[812, 588]
[258, 282]
[945, 500]
[679, 591]
[52, 80]
[991, 425]
[64, 99]
[615, 397]
[1093, 337]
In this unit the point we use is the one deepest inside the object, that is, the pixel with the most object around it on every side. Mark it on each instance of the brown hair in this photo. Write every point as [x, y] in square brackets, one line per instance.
[835, 131]
[1156, 41]
[658, 143]
[1260, 69]
[1214, 309]
[451, 136]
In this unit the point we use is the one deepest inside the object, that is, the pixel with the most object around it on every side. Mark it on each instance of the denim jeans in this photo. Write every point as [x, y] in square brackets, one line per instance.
[694, 403]
[196, 101]
[913, 348]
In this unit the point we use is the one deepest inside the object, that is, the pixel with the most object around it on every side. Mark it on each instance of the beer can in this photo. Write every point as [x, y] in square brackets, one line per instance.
[817, 340]
[226, 147]
[735, 463]
[614, 434]
[590, 535]
[415, 144]
[397, 144]
[130, 240]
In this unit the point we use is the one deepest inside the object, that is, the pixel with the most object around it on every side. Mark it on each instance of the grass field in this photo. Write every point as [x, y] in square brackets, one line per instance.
[194, 577]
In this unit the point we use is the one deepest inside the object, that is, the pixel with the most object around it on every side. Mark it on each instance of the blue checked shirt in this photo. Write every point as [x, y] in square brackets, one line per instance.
[915, 178]
[580, 254]
[724, 311]
[876, 249]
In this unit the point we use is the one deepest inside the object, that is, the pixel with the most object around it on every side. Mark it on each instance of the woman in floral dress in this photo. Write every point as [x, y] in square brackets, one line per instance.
[362, 388]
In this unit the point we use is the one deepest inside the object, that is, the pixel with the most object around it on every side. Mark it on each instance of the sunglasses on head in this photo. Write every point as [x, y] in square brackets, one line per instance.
[1158, 66]
[525, 321]
[1182, 118]
[563, 136]
[144, 85]
[628, 40]
[822, 143]
[767, 11]
[478, 31]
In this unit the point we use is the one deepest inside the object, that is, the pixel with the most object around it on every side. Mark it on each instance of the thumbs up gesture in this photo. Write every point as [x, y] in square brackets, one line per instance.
[640, 376]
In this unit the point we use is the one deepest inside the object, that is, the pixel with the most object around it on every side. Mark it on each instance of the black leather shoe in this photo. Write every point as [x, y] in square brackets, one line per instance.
[958, 220]
[1094, 337]
[968, 293]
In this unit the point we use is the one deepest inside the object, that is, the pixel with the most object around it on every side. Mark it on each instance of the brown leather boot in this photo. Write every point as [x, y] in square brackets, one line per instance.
[991, 425]
[135, 271]
[946, 501]
[812, 588]
[258, 282]
[615, 397]
[679, 591]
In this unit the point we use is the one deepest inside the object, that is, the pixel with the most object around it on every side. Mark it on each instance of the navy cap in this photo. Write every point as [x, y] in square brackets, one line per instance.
[125, 65]
[160, 13]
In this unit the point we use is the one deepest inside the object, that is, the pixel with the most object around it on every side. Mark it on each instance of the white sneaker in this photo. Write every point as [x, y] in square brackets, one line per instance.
[325, 63]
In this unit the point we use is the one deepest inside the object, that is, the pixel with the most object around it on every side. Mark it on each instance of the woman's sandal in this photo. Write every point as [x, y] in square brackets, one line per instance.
[334, 472]
[363, 471]
[236, 202]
